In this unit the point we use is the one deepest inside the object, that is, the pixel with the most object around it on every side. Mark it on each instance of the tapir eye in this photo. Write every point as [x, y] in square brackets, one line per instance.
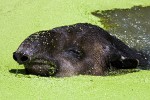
[76, 52]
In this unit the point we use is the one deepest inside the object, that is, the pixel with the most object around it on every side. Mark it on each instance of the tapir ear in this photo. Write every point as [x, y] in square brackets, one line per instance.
[126, 63]
[130, 63]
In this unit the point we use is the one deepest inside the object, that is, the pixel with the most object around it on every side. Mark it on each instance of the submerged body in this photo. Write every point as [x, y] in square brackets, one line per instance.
[76, 49]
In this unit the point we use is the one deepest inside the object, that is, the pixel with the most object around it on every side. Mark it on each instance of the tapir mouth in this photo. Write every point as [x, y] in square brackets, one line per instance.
[41, 67]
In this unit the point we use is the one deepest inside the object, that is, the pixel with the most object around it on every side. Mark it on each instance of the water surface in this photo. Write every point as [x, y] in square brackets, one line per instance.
[132, 26]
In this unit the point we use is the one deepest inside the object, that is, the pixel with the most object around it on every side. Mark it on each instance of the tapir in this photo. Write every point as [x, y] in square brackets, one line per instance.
[79, 49]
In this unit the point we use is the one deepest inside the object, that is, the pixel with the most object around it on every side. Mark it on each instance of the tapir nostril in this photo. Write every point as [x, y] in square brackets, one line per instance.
[24, 58]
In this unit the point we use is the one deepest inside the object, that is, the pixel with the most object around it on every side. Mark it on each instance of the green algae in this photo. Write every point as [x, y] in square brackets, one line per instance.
[19, 19]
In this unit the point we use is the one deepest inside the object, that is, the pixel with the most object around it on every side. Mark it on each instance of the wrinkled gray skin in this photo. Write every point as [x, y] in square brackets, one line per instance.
[76, 49]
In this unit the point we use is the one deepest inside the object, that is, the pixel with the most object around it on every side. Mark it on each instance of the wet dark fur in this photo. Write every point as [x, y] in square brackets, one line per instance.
[76, 49]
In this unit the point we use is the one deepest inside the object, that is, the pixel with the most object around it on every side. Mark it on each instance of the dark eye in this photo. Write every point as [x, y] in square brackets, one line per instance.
[76, 53]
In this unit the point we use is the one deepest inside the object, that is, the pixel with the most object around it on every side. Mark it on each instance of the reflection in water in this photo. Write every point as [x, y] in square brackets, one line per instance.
[132, 26]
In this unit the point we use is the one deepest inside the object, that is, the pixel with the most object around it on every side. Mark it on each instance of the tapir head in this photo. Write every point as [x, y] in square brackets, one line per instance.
[49, 53]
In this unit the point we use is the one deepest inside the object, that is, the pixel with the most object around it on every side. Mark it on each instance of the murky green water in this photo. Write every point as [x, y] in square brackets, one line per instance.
[132, 26]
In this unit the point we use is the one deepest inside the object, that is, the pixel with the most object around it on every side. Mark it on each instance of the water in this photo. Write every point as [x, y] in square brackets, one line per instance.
[132, 26]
